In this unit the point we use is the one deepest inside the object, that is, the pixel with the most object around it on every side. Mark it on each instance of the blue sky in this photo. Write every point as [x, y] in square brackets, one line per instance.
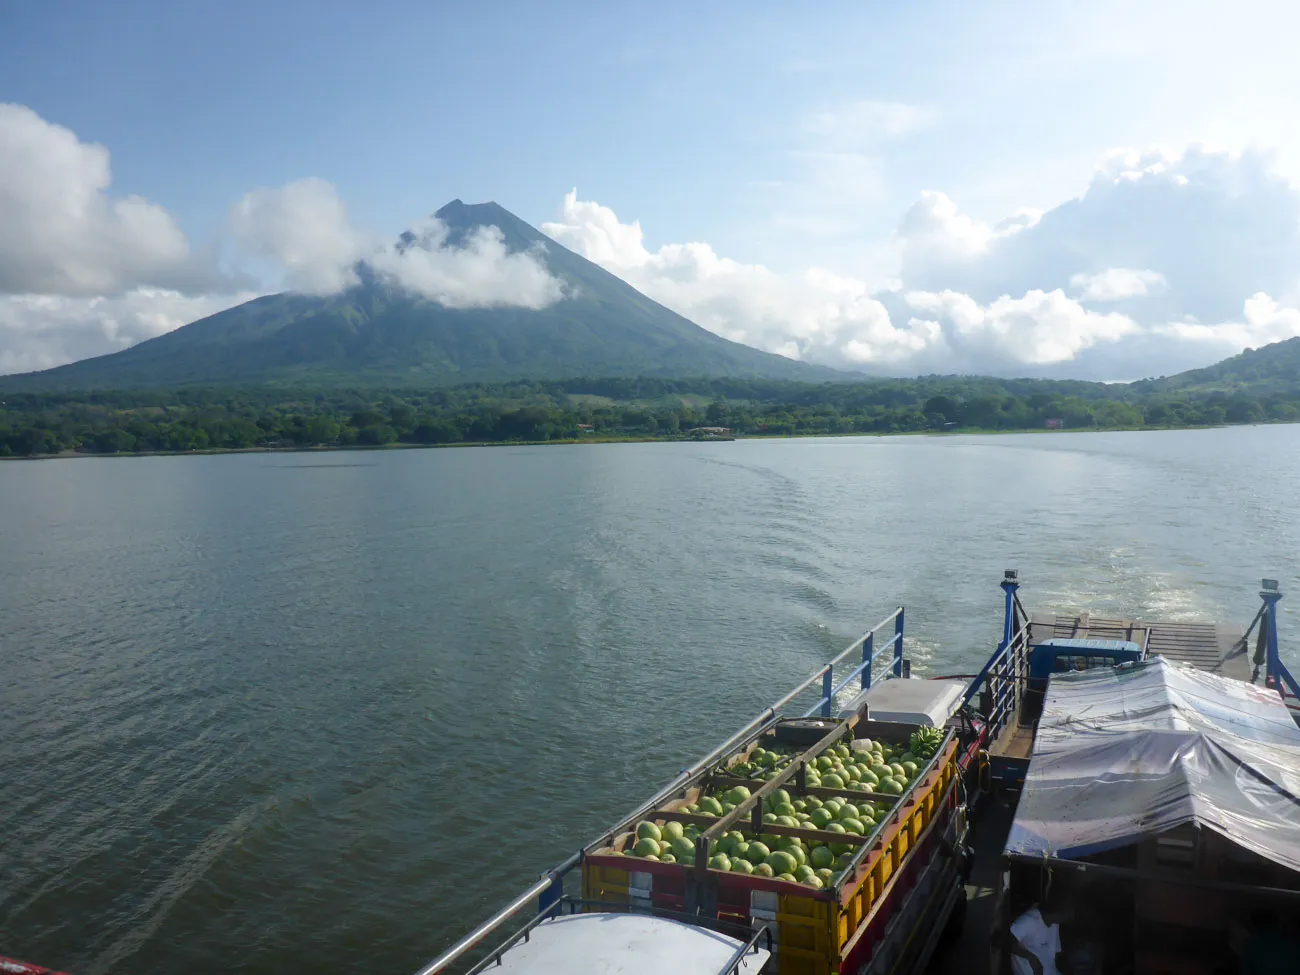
[793, 149]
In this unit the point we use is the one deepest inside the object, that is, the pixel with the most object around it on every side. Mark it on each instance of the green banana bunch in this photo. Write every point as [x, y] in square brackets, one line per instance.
[924, 742]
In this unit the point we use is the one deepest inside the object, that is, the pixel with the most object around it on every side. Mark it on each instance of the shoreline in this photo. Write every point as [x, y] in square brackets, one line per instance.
[333, 448]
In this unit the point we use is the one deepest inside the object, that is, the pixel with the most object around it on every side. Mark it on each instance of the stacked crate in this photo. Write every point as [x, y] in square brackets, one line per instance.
[814, 932]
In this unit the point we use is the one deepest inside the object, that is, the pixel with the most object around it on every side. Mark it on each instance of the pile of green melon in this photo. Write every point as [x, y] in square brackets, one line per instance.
[763, 763]
[867, 766]
[790, 858]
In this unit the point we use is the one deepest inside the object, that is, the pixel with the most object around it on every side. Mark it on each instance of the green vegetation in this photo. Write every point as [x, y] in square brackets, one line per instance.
[204, 418]
[1271, 370]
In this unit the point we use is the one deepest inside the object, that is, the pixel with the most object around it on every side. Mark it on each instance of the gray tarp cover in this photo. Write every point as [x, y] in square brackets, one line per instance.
[1127, 752]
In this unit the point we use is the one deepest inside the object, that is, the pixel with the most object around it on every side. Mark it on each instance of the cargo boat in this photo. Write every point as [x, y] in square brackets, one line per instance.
[1075, 759]
[1138, 780]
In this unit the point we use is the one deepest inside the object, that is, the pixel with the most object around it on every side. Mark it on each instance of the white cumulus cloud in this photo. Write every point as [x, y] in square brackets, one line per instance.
[1117, 284]
[43, 331]
[837, 320]
[303, 227]
[480, 272]
[1040, 328]
[812, 314]
[1263, 320]
[1215, 226]
[61, 232]
[1197, 252]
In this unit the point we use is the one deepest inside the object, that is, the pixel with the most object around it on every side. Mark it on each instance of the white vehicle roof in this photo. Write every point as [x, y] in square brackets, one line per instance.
[910, 701]
[625, 944]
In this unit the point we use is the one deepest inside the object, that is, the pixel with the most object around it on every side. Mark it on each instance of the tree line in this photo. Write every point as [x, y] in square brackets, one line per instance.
[190, 419]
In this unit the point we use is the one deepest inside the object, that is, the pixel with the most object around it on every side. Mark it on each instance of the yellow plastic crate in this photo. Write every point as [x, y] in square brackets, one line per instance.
[814, 933]
[604, 884]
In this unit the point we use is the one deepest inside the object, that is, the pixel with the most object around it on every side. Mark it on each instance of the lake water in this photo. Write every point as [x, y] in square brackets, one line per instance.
[319, 712]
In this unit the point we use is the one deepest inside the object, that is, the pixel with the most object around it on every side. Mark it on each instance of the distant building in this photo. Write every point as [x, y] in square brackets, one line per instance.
[710, 431]
[1055, 424]
[585, 426]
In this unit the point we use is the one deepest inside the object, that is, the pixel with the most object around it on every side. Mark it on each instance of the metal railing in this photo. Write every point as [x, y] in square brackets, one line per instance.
[549, 889]
[1005, 675]
[1276, 674]
[732, 967]
[866, 644]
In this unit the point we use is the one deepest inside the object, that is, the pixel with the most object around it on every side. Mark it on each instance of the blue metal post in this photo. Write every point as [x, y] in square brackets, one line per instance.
[1010, 583]
[549, 897]
[867, 646]
[1269, 593]
[898, 643]
[828, 688]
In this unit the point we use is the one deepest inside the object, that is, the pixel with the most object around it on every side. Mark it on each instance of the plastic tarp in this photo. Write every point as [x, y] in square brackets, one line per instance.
[1127, 752]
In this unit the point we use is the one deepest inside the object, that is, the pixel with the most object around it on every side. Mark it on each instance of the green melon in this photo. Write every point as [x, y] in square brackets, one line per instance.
[646, 846]
[782, 862]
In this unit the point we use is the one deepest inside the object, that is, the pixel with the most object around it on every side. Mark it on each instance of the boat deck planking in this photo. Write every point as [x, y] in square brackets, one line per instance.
[1205, 646]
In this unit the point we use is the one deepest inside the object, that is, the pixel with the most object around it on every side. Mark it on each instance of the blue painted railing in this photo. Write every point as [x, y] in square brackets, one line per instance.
[1277, 676]
[1006, 673]
[864, 671]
